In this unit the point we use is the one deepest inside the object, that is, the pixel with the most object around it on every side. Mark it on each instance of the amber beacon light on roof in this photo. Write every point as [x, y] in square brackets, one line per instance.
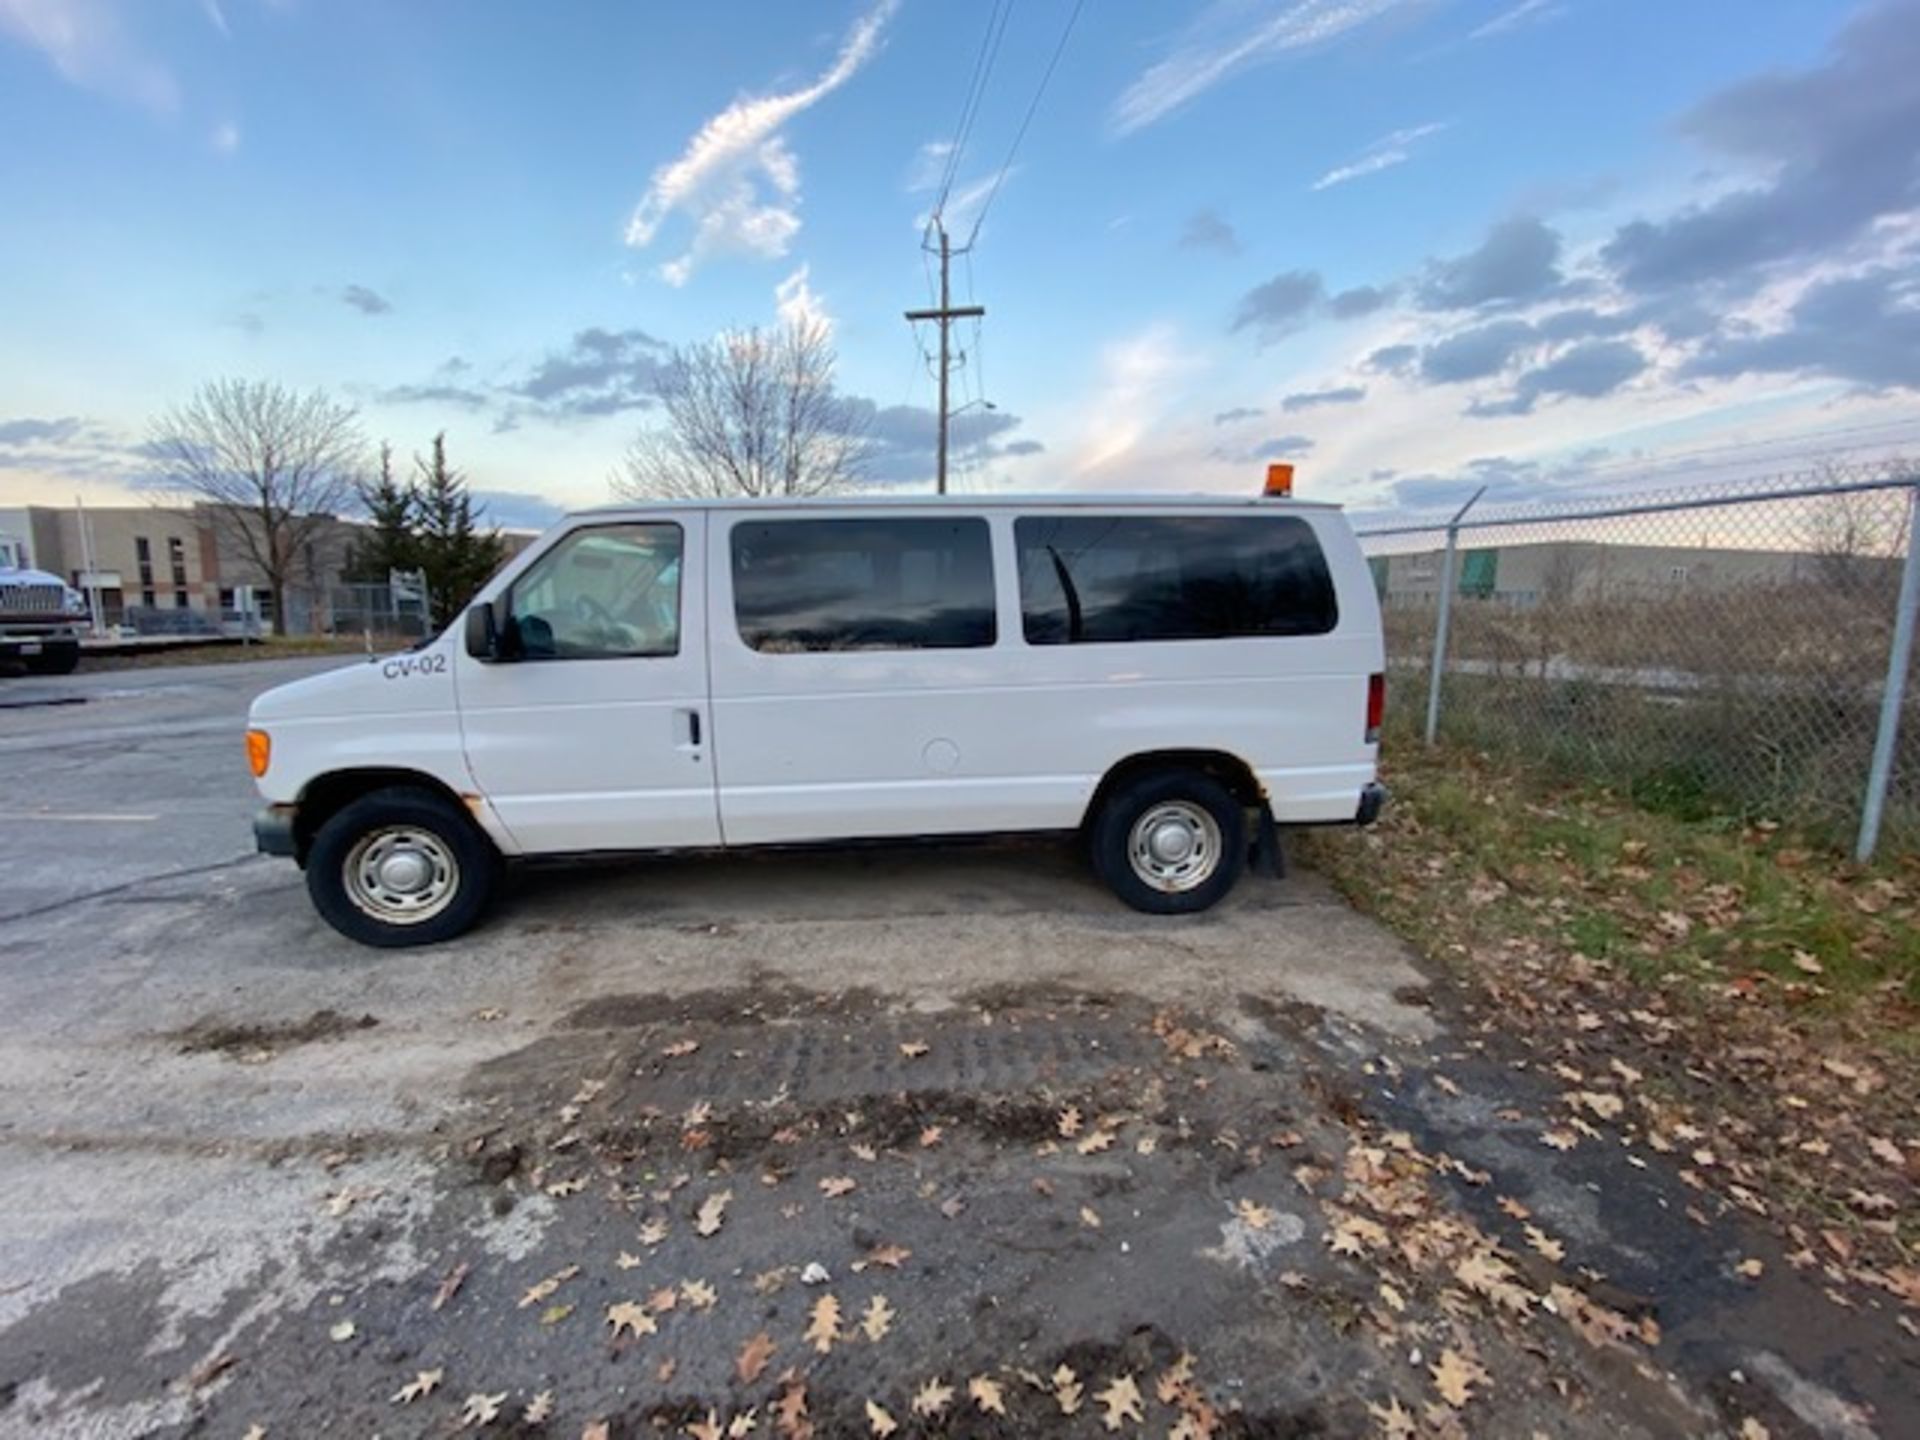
[1279, 480]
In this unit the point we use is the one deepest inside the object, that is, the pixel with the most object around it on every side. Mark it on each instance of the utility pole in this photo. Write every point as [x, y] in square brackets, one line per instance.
[945, 316]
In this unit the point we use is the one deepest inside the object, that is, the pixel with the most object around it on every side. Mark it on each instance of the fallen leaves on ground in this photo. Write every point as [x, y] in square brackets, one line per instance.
[987, 1395]
[835, 1186]
[877, 1319]
[423, 1384]
[932, 1398]
[754, 1357]
[545, 1289]
[1454, 1377]
[879, 1420]
[823, 1324]
[633, 1317]
[1120, 1402]
[479, 1409]
[712, 1213]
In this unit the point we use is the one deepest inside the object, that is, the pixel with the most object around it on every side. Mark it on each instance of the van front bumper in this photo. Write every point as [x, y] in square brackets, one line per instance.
[273, 831]
[1373, 795]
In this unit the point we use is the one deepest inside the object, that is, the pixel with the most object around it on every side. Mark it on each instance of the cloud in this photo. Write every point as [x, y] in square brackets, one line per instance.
[796, 304]
[598, 372]
[1221, 43]
[1517, 262]
[1527, 12]
[1862, 328]
[737, 181]
[86, 43]
[1382, 154]
[367, 302]
[1281, 305]
[515, 509]
[929, 165]
[1475, 353]
[1586, 371]
[601, 372]
[904, 440]
[1281, 446]
[1838, 140]
[28, 431]
[1238, 412]
[1208, 230]
[1361, 300]
[1392, 359]
[1308, 399]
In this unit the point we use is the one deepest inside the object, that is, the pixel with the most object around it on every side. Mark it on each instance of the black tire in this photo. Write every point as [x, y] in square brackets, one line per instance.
[460, 865]
[59, 657]
[1213, 818]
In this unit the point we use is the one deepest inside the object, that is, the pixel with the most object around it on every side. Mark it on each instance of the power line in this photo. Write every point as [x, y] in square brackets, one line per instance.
[1033, 105]
[997, 19]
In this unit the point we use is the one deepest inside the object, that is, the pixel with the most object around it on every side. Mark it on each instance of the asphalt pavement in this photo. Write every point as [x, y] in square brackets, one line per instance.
[252, 1175]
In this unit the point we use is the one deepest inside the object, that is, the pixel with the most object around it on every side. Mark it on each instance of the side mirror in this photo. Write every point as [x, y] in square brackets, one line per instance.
[483, 631]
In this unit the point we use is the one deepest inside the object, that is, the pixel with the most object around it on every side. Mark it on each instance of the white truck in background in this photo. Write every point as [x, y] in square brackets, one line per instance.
[41, 616]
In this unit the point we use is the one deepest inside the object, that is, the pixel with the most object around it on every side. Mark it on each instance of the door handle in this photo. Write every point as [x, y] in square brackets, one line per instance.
[693, 727]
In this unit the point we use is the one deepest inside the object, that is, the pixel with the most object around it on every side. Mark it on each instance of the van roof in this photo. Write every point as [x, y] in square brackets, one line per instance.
[1073, 501]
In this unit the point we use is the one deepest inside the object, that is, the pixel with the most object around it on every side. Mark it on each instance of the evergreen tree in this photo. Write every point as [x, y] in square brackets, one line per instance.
[389, 543]
[455, 553]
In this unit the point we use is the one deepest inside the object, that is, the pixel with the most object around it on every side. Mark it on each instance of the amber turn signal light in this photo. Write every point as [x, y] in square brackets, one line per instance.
[259, 752]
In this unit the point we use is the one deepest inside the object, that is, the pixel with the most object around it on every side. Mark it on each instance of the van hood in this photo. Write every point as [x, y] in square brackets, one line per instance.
[411, 682]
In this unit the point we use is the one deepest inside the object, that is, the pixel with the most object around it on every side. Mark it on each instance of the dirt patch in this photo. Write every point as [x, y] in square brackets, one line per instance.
[755, 1005]
[212, 1036]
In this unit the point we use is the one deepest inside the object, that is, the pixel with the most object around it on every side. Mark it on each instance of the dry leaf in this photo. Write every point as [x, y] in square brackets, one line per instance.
[663, 1300]
[878, 1318]
[450, 1286]
[987, 1395]
[1258, 1216]
[1094, 1141]
[598, 1430]
[544, 1289]
[880, 1420]
[1068, 1392]
[1752, 1269]
[680, 1048]
[707, 1429]
[554, 1314]
[653, 1232]
[891, 1256]
[790, 1411]
[930, 1137]
[1396, 1421]
[932, 1398]
[1120, 1402]
[422, 1384]
[561, 1189]
[1545, 1244]
[699, 1294]
[712, 1212]
[1069, 1122]
[823, 1326]
[633, 1316]
[627, 1260]
[914, 1049]
[742, 1424]
[1455, 1376]
[834, 1186]
[539, 1409]
[481, 1409]
[1089, 1217]
[753, 1357]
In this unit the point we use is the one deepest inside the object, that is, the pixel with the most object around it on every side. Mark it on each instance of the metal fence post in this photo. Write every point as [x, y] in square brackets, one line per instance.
[1899, 656]
[1445, 620]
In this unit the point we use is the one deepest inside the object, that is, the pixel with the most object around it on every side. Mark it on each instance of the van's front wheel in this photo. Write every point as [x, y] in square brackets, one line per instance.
[1170, 843]
[400, 867]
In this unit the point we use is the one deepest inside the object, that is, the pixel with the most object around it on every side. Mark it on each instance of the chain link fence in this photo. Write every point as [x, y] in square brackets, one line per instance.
[1711, 651]
[386, 613]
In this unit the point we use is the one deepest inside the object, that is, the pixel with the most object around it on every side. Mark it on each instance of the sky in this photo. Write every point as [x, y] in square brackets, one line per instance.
[1412, 246]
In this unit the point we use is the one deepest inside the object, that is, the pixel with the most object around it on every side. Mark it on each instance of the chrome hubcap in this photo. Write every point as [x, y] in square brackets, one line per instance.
[1174, 846]
[401, 875]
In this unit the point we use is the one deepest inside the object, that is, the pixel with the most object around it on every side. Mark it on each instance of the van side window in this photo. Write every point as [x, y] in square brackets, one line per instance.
[1093, 579]
[610, 592]
[802, 586]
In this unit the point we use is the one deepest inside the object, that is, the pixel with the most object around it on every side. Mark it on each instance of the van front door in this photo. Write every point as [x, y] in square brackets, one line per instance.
[591, 730]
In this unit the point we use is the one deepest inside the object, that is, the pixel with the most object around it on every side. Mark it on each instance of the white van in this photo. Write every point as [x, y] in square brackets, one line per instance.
[1171, 678]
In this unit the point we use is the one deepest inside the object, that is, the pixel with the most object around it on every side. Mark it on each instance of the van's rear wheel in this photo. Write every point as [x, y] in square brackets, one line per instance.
[400, 867]
[1171, 842]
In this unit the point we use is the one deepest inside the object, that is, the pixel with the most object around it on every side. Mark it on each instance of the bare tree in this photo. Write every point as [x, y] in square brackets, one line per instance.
[749, 412]
[272, 465]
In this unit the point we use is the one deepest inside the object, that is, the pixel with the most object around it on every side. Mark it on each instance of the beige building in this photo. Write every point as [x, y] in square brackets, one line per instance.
[1586, 571]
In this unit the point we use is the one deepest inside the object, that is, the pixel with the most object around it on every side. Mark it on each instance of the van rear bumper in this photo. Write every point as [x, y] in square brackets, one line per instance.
[1373, 795]
[273, 831]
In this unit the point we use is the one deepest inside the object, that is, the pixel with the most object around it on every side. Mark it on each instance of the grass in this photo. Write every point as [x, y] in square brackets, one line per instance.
[1475, 852]
[285, 647]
